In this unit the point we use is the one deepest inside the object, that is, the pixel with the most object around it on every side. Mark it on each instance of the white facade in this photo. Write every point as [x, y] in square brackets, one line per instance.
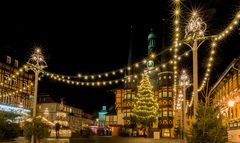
[73, 115]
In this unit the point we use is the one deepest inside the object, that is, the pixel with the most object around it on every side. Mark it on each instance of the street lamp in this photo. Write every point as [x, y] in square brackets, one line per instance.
[194, 32]
[185, 83]
[36, 64]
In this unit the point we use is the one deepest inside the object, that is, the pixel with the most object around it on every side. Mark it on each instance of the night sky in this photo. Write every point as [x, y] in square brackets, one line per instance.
[94, 36]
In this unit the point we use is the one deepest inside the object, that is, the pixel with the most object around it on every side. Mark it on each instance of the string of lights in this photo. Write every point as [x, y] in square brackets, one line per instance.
[10, 78]
[234, 23]
[176, 44]
[15, 75]
[131, 78]
[15, 91]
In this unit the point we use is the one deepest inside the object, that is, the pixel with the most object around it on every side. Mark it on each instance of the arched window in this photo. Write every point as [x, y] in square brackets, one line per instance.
[14, 82]
[25, 83]
[6, 77]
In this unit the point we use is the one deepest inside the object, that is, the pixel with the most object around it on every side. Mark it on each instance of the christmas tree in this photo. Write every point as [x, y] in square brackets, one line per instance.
[145, 109]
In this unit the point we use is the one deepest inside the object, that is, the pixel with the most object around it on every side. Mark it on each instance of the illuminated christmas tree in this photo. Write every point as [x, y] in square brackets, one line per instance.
[145, 109]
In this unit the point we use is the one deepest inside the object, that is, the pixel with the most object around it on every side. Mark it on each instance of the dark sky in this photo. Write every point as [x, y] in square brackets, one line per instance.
[94, 36]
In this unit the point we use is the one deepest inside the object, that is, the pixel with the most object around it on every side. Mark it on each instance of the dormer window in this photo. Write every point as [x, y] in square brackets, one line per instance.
[8, 60]
[16, 63]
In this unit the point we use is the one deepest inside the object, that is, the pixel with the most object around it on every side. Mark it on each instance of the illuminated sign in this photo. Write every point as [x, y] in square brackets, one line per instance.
[14, 109]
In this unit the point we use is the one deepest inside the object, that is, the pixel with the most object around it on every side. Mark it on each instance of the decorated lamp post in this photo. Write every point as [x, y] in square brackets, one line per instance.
[194, 32]
[36, 64]
[185, 83]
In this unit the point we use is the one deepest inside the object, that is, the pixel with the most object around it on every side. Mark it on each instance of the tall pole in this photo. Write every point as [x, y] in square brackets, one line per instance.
[184, 82]
[194, 31]
[195, 76]
[37, 64]
[184, 107]
[35, 98]
[35, 94]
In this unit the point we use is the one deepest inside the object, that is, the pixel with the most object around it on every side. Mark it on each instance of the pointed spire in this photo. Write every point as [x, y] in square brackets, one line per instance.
[128, 72]
[151, 42]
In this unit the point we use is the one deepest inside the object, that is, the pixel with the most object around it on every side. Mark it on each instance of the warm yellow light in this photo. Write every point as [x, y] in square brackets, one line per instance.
[38, 50]
[152, 56]
[177, 1]
[79, 75]
[144, 61]
[176, 22]
[235, 22]
[113, 73]
[106, 74]
[238, 15]
[177, 11]
[194, 13]
[92, 76]
[231, 103]
[212, 52]
[163, 65]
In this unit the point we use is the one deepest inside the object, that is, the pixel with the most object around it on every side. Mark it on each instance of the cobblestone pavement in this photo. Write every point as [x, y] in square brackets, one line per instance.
[97, 139]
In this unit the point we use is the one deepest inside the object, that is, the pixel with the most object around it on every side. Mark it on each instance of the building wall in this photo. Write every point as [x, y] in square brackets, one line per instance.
[23, 83]
[227, 89]
[74, 115]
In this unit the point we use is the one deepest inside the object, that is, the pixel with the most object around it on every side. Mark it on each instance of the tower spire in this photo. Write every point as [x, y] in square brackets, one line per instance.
[151, 42]
[151, 48]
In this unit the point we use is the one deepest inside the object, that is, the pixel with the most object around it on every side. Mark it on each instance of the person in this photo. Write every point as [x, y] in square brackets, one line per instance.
[57, 128]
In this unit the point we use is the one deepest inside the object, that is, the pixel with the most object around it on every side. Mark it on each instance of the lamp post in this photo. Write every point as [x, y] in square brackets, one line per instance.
[194, 32]
[185, 83]
[37, 64]
[231, 104]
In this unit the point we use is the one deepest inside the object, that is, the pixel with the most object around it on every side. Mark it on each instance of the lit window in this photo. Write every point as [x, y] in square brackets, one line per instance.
[164, 94]
[6, 76]
[160, 94]
[25, 83]
[169, 94]
[16, 63]
[14, 82]
[164, 113]
[8, 59]
[170, 113]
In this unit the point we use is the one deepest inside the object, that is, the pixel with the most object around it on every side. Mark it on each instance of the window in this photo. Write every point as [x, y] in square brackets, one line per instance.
[160, 114]
[25, 83]
[160, 94]
[16, 63]
[164, 94]
[164, 113]
[8, 59]
[14, 82]
[170, 113]
[6, 76]
[169, 94]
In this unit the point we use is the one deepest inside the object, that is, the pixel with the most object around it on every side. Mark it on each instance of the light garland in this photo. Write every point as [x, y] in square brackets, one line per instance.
[129, 78]
[223, 34]
[92, 77]
[16, 91]
[176, 44]
[17, 73]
